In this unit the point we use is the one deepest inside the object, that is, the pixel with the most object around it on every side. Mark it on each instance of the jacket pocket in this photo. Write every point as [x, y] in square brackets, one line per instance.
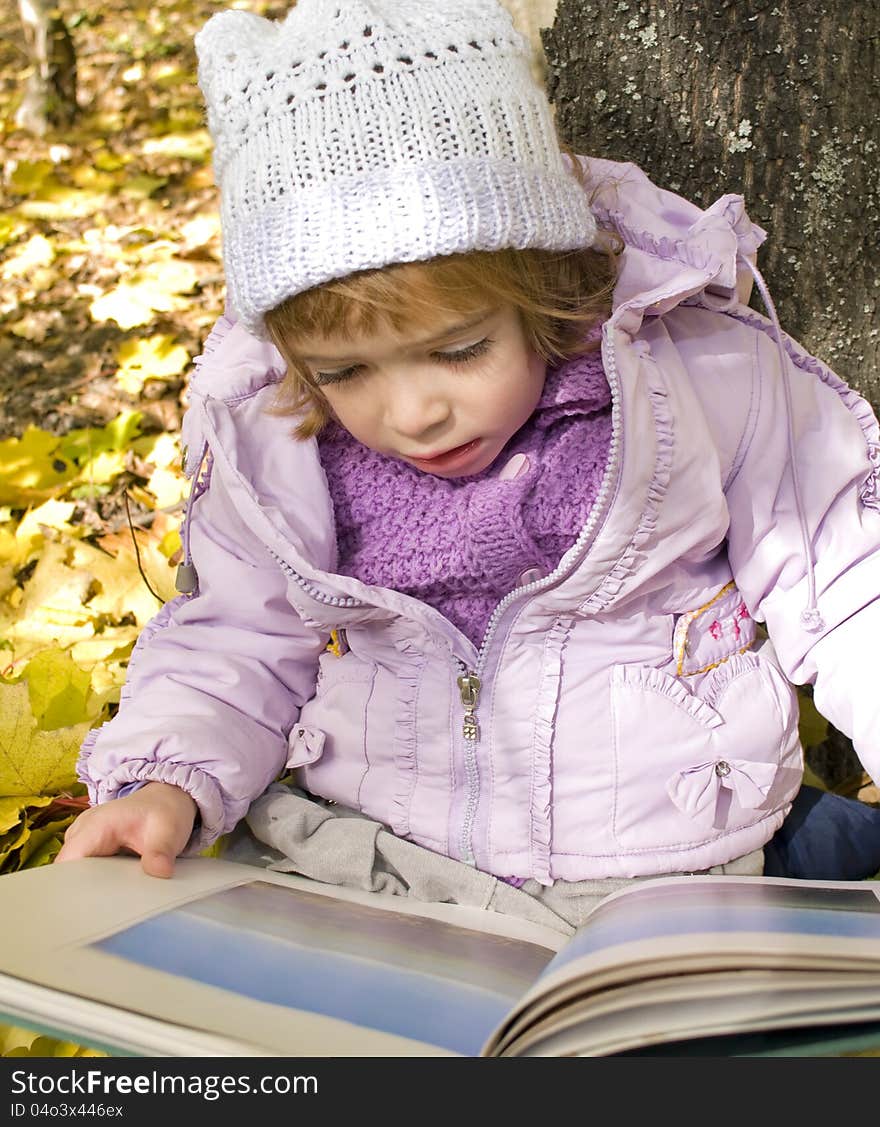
[695, 761]
[327, 744]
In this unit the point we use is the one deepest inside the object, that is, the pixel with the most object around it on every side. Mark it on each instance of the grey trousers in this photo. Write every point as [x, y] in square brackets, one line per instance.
[290, 831]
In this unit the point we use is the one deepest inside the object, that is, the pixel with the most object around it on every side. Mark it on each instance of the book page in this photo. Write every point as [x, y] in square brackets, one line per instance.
[693, 925]
[264, 961]
[689, 1007]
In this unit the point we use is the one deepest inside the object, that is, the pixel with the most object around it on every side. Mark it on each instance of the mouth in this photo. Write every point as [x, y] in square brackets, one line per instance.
[448, 459]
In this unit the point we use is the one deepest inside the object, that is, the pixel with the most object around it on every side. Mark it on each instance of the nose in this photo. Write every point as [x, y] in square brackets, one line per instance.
[417, 408]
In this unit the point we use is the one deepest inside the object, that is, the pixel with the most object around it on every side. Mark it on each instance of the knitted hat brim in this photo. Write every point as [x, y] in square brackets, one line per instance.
[400, 214]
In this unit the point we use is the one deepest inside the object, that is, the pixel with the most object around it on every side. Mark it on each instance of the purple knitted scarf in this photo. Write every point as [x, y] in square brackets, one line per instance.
[462, 544]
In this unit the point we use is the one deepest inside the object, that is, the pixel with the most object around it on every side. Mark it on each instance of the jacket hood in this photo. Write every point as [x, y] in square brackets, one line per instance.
[673, 250]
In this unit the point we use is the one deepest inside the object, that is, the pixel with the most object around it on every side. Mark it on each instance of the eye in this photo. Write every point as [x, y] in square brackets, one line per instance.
[323, 379]
[463, 355]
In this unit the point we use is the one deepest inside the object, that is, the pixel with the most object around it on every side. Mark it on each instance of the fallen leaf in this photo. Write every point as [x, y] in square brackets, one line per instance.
[30, 469]
[37, 251]
[30, 175]
[60, 691]
[149, 358]
[13, 808]
[31, 761]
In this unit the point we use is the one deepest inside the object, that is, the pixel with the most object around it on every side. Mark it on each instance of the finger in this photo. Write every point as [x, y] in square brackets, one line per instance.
[157, 864]
[93, 834]
[86, 844]
[158, 850]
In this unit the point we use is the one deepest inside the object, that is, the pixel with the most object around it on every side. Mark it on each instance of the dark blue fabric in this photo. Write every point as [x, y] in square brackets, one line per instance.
[825, 837]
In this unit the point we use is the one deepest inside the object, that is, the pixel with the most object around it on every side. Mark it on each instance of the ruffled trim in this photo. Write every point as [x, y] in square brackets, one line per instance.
[870, 491]
[158, 622]
[87, 747]
[737, 665]
[82, 771]
[541, 796]
[657, 489]
[856, 404]
[217, 815]
[724, 222]
[642, 677]
[682, 251]
[405, 747]
[221, 327]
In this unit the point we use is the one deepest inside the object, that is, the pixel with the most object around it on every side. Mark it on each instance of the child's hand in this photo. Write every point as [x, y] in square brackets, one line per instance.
[155, 821]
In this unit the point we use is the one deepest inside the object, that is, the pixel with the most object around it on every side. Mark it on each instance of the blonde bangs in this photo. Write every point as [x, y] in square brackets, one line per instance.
[560, 296]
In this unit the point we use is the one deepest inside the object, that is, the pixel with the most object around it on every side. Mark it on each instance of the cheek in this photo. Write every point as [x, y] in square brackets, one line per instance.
[535, 377]
[346, 411]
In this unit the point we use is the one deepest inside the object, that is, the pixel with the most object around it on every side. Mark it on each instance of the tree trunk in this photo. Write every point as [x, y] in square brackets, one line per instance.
[777, 101]
[49, 99]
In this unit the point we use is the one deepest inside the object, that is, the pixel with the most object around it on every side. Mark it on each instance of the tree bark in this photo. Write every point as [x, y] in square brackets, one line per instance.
[49, 99]
[775, 100]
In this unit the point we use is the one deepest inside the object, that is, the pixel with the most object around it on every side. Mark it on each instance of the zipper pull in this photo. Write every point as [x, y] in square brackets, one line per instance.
[469, 687]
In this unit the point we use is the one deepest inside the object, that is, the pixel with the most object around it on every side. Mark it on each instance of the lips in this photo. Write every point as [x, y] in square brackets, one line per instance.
[450, 459]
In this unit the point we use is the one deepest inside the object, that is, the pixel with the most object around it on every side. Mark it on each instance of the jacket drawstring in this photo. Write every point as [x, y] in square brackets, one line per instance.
[811, 617]
[186, 580]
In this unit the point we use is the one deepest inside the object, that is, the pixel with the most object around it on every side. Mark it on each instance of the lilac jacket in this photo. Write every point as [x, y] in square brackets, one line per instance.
[622, 716]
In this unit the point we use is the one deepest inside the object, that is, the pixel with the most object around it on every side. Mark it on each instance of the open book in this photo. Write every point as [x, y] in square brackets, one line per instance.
[230, 960]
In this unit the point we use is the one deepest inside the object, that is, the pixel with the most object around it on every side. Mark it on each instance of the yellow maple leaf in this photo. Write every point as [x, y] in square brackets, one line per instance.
[153, 289]
[42, 844]
[149, 358]
[51, 608]
[11, 228]
[31, 761]
[31, 468]
[117, 586]
[171, 544]
[31, 531]
[13, 808]
[102, 469]
[196, 145]
[60, 691]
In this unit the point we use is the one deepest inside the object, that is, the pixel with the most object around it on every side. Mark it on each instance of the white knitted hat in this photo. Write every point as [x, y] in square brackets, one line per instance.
[360, 133]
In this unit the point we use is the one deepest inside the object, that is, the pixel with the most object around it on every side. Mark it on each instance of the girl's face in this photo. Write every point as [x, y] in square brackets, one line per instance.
[445, 399]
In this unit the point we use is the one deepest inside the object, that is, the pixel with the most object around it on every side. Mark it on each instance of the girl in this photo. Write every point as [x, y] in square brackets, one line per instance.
[502, 425]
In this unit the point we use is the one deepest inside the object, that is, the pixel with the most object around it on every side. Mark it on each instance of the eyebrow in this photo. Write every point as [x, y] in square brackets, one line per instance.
[450, 331]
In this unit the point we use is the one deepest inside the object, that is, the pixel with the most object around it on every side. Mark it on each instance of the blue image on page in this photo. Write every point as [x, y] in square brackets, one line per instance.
[666, 909]
[419, 978]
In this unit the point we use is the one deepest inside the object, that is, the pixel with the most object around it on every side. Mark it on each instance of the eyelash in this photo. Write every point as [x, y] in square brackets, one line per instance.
[460, 356]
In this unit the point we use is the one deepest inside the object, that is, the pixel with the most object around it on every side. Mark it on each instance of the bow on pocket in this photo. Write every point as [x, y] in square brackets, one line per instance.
[696, 790]
[305, 745]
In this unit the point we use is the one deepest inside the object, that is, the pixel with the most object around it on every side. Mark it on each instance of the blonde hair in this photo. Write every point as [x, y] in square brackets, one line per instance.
[560, 296]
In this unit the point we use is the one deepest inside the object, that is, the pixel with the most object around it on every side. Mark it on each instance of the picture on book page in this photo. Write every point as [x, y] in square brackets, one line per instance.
[403, 974]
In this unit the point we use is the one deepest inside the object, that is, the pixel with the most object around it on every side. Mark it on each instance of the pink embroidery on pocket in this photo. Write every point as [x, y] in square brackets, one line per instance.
[715, 629]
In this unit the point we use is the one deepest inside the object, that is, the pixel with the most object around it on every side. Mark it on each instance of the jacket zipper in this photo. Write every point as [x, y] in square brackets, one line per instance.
[470, 680]
[315, 592]
[469, 687]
